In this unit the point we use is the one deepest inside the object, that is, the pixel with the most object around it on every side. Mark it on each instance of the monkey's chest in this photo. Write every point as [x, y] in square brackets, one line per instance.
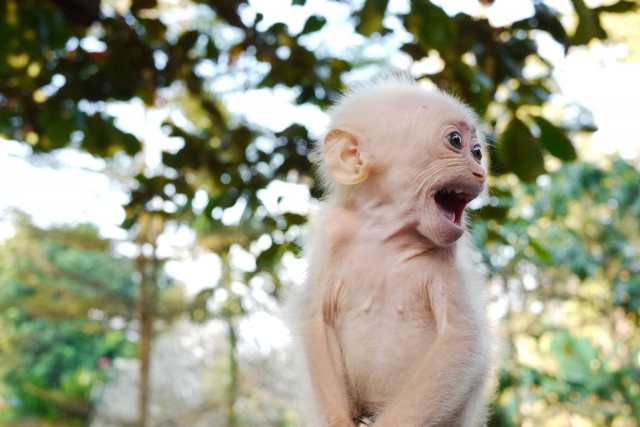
[385, 328]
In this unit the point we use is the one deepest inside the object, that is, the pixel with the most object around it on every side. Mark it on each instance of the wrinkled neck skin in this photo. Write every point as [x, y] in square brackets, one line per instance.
[385, 221]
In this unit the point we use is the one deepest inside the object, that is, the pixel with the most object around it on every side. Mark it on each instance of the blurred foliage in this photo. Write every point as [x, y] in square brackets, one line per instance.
[64, 304]
[568, 274]
[64, 62]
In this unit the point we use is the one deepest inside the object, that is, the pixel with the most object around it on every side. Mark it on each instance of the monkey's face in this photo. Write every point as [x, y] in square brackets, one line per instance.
[446, 173]
[418, 155]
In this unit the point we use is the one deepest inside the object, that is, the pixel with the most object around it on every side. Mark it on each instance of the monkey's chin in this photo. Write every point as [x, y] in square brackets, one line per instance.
[447, 232]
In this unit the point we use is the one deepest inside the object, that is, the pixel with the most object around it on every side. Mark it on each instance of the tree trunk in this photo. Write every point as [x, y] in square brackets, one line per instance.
[147, 266]
[233, 387]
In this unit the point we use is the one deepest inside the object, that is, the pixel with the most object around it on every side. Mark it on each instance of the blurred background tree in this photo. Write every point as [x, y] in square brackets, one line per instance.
[559, 235]
[566, 280]
[65, 304]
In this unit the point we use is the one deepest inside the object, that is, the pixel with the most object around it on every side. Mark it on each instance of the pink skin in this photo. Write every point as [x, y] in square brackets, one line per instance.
[392, 321]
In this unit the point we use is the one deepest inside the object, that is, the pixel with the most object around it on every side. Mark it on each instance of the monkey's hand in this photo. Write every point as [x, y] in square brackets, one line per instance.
[363, 421]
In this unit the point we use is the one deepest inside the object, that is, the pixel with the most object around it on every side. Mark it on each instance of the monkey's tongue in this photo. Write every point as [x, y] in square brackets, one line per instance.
[451, 205]
[450, 215]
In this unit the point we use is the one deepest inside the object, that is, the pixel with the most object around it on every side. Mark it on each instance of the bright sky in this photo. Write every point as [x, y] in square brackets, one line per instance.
[610, 89]
[596, 78]
[76, 191]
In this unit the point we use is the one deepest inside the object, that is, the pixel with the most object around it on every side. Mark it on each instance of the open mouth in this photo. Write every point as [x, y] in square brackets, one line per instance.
[452, 200]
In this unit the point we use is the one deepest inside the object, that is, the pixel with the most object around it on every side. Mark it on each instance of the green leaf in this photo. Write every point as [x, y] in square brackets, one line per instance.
[313, 24]
[104, 139]
[546, 19]
[493, 212]
[620, 7]
[532, 94]
[555, 140]
[432, 28]
[521, 151]
[58, 124]
[154, 28]
[588, 24]
[574, 356]
[549, 21]
[137, 5]
[371, 17]
[188, 40]
[542, 252]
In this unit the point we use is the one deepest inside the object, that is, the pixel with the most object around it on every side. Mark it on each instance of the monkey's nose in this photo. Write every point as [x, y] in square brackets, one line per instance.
[480, 175]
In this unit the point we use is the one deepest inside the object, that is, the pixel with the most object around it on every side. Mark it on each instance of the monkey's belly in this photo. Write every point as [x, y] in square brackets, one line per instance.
[381, 349]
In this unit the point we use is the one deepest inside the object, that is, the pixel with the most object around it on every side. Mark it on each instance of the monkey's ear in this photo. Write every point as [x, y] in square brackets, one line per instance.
[343, 157]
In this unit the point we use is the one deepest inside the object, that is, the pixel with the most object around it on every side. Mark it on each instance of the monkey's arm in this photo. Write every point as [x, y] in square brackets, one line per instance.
[448, 387]
[326, 368]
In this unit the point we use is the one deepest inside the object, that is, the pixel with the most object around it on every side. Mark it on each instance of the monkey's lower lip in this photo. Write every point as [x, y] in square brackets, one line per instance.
[452, 202]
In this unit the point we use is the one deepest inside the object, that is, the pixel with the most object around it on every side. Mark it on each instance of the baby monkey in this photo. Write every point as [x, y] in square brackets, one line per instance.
[392, 319]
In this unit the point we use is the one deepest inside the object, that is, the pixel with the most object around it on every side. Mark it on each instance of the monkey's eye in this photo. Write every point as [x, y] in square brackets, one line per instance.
[476, 151]
[455, 140]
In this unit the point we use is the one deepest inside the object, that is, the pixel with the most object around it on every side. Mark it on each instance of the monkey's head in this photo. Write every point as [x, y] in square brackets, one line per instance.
[417, 152]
